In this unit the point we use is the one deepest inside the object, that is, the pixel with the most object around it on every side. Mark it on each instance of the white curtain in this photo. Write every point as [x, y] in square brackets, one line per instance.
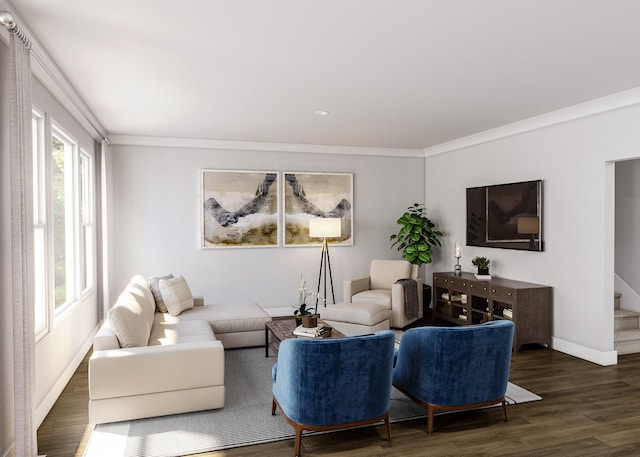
[21, 158]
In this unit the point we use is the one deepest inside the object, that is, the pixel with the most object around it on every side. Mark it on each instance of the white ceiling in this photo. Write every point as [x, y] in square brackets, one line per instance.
[392, 73]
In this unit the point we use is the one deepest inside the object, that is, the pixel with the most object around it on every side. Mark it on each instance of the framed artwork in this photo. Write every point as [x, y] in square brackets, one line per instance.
[239, 209]
[507, 216]
[317, 195]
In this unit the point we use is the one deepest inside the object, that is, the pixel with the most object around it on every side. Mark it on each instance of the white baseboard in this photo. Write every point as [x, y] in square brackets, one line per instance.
[43, 408]
[591, 355]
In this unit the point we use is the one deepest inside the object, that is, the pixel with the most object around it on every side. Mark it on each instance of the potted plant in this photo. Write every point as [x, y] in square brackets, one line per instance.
[305, 315]
[415, 239]
[417, 235]
[482, 263]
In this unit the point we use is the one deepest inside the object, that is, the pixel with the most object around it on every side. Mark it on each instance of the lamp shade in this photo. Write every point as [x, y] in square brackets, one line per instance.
[325, 227]
[528, 225]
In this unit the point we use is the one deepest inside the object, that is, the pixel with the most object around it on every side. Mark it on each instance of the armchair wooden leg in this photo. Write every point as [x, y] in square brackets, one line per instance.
[504, 410]
[273, 406]
[296, 450]
[386, 423]
[430, 411]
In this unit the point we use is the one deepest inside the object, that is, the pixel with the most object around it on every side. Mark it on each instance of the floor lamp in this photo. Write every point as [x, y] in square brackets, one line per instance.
[325, 227]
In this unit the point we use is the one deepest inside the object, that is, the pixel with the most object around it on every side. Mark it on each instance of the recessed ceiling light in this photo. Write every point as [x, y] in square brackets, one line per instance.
[321, 113]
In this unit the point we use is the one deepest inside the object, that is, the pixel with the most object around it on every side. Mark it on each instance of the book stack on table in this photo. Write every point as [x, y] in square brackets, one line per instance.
[313, 332]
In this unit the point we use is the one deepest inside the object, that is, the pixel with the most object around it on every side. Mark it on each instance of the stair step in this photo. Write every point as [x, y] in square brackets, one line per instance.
[626, 320]
[624, 313]
[627, 341]
[627, 347]
[627, 335]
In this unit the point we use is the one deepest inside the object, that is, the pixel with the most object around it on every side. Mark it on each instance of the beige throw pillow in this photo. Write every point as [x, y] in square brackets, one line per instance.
[154, 285]
[127, 321]
[176, 295]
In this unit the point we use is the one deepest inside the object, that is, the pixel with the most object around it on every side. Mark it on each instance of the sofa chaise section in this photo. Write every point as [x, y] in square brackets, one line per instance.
[236, 324]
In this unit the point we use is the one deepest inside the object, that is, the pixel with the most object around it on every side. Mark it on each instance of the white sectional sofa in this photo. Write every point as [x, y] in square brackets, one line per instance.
[149, 363]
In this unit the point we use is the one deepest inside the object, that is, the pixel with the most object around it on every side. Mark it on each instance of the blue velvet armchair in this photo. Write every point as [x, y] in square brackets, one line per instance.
[455, 368]
[332, 383]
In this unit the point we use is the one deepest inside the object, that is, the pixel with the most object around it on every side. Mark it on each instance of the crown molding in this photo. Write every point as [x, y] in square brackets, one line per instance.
[45, 69]
[590, 108]
[196, 143]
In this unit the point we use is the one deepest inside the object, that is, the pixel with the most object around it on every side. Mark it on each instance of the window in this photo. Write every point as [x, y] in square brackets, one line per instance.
[64, 229]
[62, 152]
[39, 225]
[86, 222]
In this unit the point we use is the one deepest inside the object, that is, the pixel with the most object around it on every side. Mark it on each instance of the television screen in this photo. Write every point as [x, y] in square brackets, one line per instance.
[505, 216]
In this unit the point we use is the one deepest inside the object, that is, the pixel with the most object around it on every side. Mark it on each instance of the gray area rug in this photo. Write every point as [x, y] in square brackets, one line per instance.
[245, 420]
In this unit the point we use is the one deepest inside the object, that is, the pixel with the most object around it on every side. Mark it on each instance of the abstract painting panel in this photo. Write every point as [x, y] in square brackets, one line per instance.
[313, 195]
[239, 208]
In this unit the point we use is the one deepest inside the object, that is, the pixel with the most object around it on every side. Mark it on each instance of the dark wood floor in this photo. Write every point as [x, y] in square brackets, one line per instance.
[587, 410]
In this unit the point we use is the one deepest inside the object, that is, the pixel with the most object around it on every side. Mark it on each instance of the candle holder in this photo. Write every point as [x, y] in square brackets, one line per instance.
[457, 269]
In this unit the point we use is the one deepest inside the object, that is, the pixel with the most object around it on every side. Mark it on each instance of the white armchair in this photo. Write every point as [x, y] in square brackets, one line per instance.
[380, 288]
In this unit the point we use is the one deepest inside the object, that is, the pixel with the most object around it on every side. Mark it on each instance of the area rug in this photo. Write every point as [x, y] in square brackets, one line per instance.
[245, 420]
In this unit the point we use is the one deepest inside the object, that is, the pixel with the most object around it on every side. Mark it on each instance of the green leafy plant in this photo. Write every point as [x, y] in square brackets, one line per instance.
[481, 262]
[417, 235]
[303, 310]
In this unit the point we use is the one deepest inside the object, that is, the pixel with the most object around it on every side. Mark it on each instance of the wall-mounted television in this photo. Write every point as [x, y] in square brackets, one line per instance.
[507, 216]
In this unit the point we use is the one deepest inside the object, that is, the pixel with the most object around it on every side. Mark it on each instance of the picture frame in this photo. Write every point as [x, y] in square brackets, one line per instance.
[239, 209]
[308, 195]
[507, 216]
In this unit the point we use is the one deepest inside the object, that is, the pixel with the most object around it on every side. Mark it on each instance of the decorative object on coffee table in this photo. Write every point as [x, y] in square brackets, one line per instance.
[303, 310]
[279, 330]
[310, 320]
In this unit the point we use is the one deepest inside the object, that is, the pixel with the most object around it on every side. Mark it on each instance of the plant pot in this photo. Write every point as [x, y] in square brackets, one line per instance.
[310, 320]
[483, 271]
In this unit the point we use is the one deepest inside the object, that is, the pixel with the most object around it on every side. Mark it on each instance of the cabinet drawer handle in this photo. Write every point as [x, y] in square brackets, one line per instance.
[471, 286]
[464, 284]
[493, 290]
[484, 288]
[509, 294]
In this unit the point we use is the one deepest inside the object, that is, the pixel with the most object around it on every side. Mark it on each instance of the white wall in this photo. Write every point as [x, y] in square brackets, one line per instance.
[154, 223]
[572, 159]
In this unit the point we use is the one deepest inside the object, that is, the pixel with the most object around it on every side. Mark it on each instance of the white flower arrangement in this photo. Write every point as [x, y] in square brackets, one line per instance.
[303, 293]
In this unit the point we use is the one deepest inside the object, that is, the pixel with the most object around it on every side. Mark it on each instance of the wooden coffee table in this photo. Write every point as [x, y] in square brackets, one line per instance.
[282, 329]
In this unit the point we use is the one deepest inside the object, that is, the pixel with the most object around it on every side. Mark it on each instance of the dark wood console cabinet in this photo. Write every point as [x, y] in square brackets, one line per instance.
[465, 300]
